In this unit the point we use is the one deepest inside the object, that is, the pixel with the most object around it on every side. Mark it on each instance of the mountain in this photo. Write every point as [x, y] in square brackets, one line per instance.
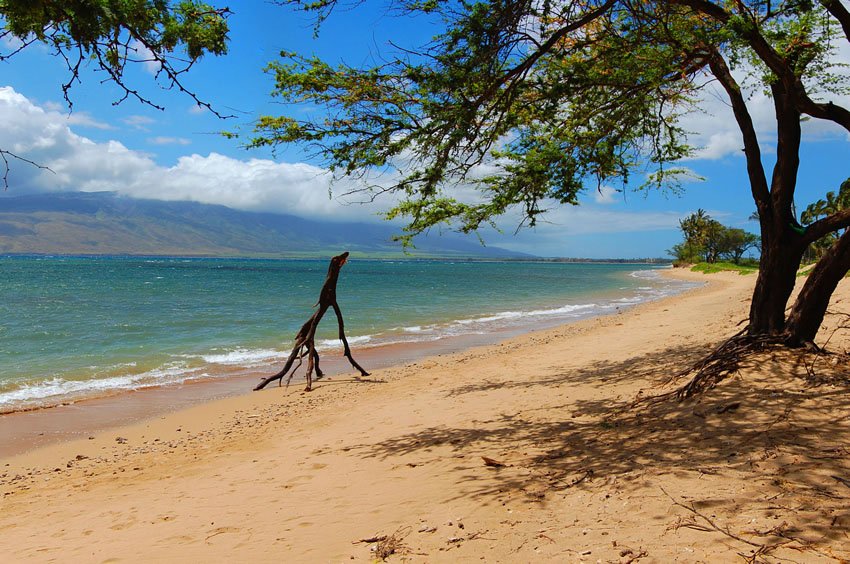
[104, 223]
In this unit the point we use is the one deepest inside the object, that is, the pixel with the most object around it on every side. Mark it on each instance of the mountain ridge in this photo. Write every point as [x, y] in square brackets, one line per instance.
[105, 223]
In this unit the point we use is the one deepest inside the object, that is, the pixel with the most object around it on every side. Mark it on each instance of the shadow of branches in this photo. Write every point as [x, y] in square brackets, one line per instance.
[783, 422]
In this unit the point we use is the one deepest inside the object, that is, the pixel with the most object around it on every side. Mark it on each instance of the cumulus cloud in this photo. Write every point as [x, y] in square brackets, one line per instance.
[79, 164]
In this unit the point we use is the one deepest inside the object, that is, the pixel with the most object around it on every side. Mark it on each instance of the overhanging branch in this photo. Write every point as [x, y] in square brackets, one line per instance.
[822, 227]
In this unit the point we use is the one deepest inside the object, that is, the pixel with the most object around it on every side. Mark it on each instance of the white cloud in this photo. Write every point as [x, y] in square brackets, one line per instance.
[606, 195]
[83, 119]
[146, 57]
[586, 219]
[79, 164]
[138, 122]
[196, 109]
[87, 120]
[162, 140]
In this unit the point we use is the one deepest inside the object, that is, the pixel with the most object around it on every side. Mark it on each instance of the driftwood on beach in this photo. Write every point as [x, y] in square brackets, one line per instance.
[305, 340]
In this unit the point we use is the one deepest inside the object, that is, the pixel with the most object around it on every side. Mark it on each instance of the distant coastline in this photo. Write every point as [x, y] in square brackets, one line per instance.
[354, 255]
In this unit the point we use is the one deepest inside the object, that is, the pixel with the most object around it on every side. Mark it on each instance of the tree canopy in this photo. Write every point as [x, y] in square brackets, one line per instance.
[109, 35]
[532, 102]
[528, 101]
[708, 240]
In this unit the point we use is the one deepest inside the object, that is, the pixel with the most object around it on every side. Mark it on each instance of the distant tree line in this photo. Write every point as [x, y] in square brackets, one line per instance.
[708, 240]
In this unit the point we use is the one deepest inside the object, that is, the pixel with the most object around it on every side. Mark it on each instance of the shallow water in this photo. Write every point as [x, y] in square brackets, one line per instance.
[74, 327]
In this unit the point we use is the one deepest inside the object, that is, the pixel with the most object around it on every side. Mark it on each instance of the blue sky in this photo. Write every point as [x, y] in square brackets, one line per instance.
[177, 153]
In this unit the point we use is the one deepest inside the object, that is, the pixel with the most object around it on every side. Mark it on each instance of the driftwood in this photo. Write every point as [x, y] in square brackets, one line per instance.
[305, 340]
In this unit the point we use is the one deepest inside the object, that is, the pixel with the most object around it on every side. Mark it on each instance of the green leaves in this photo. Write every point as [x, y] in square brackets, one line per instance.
[707, 240]
[524, 120]
[109, 34]
[518, 106]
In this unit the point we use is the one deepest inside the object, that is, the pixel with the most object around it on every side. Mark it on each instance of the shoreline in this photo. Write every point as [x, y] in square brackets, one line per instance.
[206, 346]
[529, 450]
[30, 428]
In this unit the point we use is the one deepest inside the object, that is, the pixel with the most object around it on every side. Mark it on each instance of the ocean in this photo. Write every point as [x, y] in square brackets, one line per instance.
[79, 327]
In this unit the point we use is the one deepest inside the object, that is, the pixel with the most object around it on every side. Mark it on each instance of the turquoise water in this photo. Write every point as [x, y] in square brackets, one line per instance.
[78, 327]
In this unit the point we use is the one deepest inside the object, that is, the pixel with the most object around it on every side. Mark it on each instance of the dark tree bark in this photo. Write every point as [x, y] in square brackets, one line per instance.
[305, 340]
[810, 307]
[781, 255]
[782, 244]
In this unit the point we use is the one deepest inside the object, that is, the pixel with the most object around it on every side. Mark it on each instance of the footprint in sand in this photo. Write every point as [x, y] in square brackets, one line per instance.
[124, 524]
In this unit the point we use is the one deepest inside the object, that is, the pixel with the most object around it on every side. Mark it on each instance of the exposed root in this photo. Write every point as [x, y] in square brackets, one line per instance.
[723, 362]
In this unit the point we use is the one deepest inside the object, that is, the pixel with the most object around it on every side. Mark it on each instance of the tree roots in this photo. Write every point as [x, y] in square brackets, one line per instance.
[724, 361]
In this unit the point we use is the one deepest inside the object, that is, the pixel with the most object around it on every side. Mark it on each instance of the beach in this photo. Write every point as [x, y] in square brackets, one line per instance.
[531, 449]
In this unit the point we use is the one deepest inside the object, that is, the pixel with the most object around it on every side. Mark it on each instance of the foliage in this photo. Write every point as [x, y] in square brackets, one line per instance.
[708, 240]
[530, 102]
[510, 99]
[109, 34]
[712, 268]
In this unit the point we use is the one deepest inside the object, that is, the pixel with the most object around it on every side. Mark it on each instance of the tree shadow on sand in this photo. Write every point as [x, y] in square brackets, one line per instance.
[654, 368]
[783, 425]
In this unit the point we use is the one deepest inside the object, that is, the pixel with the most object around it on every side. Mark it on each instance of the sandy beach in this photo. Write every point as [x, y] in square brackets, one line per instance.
[525, 451]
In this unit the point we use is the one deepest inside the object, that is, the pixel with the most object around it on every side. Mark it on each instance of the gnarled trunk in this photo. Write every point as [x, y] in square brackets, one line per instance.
[810, 307]
[780, 259]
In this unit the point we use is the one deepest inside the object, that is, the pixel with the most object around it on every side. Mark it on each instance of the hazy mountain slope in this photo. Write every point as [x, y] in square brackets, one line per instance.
[105, 223]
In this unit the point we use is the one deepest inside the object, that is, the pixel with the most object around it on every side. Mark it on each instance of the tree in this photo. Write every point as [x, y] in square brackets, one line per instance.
[110, 34]
[702, 238]
[735, 242]
[706, 239]
[819, 210]
[529, 102]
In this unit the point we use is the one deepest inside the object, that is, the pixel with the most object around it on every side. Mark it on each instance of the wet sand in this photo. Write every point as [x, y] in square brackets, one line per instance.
[21, 431]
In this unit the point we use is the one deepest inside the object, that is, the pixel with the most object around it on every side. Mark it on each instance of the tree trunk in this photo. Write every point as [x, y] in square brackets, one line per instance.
[780, 259]
[807, 314]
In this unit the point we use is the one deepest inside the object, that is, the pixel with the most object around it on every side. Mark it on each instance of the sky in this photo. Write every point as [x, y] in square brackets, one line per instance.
[178, 153]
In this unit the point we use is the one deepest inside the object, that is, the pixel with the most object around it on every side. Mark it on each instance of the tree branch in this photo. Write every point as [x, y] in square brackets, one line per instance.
[755, 168]
[821, 227]
[828, 111]
[784, 180]
[6, 155]
[840, 13]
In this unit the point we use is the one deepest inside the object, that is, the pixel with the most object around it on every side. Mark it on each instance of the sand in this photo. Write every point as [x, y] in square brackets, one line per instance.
[529, 450]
